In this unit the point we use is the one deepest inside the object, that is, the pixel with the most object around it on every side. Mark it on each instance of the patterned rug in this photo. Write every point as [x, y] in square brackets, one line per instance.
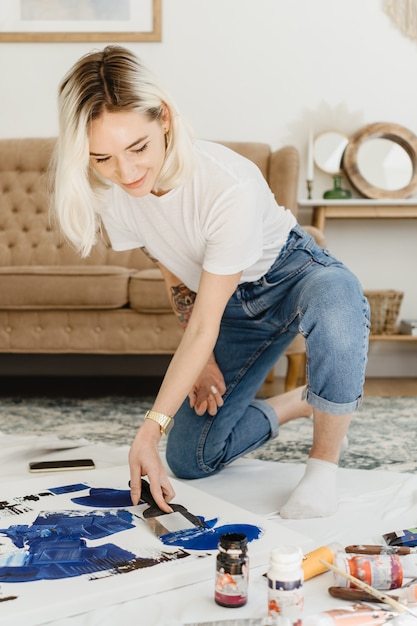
[383, 433]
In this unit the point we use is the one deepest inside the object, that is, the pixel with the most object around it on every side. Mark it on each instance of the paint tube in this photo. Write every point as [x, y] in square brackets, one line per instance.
[245, 621]
[408, 594]
[407, 537]
[312, 565]
[356, 615]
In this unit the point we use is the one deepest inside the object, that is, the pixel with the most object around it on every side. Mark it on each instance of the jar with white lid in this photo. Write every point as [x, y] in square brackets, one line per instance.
[285, 585]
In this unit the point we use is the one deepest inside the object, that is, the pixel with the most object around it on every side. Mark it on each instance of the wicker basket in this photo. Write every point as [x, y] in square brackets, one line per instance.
[385, 307]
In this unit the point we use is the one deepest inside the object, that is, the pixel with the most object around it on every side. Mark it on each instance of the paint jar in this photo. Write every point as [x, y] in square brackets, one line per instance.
[232, 571]
[312, 565]
[382, 571]
[285, 585]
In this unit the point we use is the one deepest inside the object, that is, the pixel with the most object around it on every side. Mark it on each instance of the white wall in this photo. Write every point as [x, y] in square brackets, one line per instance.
[267, 70]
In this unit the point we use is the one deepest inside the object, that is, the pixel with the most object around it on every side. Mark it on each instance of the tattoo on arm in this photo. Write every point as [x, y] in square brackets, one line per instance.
[182, 300]
[149, 255]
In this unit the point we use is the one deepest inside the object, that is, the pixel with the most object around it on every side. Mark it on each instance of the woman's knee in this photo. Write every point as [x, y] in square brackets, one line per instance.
[185, 455]
[183, 459]
[338, 309]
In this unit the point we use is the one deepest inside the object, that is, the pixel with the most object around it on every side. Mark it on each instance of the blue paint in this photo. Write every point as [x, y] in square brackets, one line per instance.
[192, 539]
[208, 538]
[21, 504]
[70, 525]
[50, 560]
[68, 488]
[90, 525]
[54, 547]
[105, 498]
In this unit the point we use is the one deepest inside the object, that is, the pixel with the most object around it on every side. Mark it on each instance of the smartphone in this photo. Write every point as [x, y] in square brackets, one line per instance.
[61, 466]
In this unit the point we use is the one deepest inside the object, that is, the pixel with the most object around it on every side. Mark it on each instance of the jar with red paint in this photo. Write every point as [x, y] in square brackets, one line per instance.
[381, 571]
[232, 571]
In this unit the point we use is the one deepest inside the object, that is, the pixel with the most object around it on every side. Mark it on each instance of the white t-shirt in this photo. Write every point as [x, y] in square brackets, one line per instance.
[223, 220]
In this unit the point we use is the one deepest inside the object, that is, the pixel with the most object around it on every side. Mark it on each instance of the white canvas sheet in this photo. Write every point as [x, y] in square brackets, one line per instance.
[38, 601]
[371, 503]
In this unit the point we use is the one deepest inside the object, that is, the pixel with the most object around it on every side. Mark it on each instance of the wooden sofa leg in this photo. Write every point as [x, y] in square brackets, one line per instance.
[270, 377]
[296, 372]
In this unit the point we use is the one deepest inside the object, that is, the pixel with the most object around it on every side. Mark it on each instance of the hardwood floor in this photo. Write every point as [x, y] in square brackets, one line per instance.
[391, 387]
[373, 387]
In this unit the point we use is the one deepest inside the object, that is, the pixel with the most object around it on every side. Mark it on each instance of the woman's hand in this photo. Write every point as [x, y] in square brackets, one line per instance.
[144, 460]
[206, 394]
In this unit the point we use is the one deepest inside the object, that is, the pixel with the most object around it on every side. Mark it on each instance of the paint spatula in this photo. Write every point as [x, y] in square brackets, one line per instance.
[162, 523]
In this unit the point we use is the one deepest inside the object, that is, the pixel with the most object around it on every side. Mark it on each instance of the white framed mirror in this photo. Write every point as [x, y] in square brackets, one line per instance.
[328, 151]
[380, 161]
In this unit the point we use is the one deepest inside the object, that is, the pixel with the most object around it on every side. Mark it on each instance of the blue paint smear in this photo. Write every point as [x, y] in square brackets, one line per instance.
[192, 539]
[208, 538]
[55, 547]
[105, 498]
[69, 525]
[49, 560]
[68, 488]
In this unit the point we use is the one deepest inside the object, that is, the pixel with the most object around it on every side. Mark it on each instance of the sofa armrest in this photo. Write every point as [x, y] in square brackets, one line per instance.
[317, 234]
[283, 173]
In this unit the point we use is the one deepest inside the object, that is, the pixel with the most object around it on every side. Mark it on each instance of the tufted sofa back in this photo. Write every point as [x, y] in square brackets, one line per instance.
[26, 236]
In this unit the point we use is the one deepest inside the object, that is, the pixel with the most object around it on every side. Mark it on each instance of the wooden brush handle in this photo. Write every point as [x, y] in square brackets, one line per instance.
[365, 549]
[354, 595]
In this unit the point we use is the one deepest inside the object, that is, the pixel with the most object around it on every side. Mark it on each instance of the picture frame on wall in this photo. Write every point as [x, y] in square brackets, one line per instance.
[80, 20]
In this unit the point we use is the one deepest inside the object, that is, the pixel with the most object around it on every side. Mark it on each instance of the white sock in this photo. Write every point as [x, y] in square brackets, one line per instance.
[315, 494]
[344, 445]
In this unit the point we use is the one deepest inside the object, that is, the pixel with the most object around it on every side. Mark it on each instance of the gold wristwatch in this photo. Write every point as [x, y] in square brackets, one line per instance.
[165, 421]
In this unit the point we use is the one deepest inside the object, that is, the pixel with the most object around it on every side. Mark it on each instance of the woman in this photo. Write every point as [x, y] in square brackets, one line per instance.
[242, 276]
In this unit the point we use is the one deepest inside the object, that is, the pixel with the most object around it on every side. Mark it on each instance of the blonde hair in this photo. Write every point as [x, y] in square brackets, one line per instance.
[110, 80]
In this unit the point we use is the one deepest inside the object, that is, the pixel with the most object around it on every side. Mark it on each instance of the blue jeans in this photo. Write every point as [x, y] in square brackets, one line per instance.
[306, 291]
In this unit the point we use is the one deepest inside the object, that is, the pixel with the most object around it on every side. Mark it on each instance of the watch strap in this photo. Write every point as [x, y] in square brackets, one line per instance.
[166, 422]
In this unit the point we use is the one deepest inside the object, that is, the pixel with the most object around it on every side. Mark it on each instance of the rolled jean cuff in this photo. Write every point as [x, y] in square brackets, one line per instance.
[269, 413]
[333, 408]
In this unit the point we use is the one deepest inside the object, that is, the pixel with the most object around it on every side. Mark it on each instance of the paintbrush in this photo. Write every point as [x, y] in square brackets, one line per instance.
[162, 523]
[354, 595]
[370, 549]
[398, 606]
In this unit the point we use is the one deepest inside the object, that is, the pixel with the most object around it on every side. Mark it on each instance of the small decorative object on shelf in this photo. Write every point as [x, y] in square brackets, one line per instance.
[309, 189]
[408, 327]
[337, 193]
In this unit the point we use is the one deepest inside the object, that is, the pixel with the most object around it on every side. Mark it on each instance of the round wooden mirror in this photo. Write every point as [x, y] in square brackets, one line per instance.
[328, 151]
[380, 161]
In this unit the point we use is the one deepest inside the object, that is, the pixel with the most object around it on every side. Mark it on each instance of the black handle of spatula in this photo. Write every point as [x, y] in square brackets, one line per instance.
[153, 510]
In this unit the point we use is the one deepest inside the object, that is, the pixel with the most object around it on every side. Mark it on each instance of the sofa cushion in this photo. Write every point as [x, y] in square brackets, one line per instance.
[147, 293]
[69, 287]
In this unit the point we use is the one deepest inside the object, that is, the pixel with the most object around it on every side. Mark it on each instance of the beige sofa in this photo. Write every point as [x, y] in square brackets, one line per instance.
[112, 303]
